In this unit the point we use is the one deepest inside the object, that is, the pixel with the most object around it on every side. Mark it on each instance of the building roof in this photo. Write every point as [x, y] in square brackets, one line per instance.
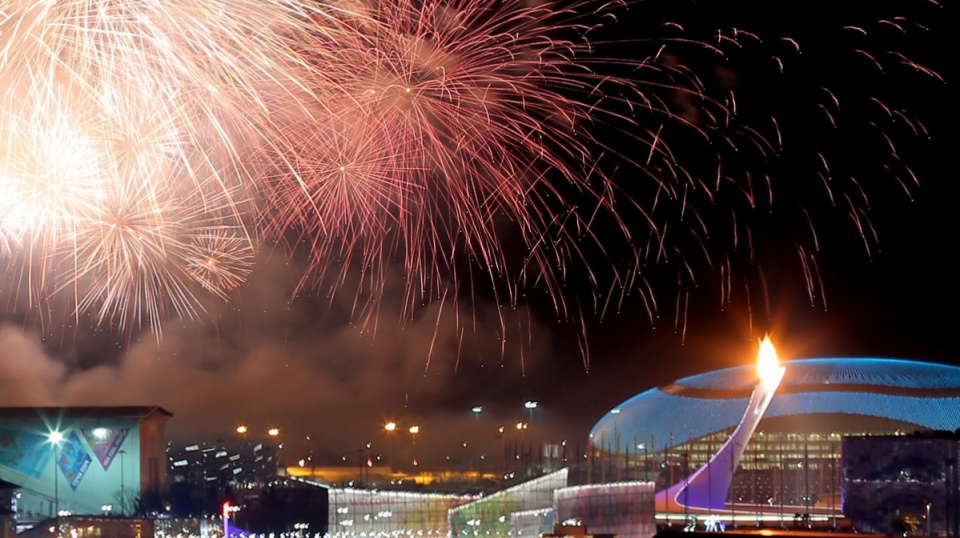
[925, 395]
[94, 412]
[894, 373]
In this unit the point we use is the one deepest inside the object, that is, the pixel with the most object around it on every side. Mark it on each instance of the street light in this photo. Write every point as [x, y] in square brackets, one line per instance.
[477, 409]
[390, 427]
[56, 438]
[274, 434]
[643, 447]
[414, 430]
[531, 405]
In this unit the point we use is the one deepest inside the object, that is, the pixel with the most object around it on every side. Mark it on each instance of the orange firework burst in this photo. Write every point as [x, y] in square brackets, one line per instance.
[148, 146]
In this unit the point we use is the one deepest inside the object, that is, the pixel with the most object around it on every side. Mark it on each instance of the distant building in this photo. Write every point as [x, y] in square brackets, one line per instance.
[549, 503]
[124, 527]
[83, 460]
[892, 484]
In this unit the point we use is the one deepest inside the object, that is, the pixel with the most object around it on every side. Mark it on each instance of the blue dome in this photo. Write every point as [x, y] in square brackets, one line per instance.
[926, 395]
[878, 372]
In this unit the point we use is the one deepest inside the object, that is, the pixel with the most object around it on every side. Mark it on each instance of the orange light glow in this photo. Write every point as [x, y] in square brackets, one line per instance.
[767, 363]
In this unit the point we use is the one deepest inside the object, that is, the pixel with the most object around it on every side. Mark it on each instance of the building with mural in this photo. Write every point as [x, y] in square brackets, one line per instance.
[82, 460]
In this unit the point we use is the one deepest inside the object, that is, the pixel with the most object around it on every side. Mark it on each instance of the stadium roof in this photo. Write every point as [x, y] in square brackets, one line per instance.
[923, 394]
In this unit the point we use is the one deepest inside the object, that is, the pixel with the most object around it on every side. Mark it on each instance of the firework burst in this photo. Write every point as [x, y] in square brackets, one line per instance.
[149, 147]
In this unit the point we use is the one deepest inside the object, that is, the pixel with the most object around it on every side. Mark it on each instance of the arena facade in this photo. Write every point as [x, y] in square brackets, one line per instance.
[82, 460]
[791, 463]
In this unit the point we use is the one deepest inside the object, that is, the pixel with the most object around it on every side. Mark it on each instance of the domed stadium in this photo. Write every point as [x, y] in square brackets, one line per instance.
[793, 458]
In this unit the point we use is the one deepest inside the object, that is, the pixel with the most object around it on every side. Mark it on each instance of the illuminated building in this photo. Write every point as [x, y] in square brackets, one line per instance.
[83, 460]
[792, 462]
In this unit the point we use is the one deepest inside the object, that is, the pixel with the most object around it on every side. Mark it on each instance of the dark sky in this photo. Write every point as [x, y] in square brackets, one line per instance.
[302, 365]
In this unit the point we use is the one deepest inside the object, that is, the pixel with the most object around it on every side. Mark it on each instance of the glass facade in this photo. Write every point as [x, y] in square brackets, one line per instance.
[621, 509]
[792, 465]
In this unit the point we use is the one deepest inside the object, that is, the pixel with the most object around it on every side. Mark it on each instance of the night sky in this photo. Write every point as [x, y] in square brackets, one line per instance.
[302, 364]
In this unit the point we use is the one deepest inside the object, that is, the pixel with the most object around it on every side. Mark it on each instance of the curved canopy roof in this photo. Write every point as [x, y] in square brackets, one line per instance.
[920, 393]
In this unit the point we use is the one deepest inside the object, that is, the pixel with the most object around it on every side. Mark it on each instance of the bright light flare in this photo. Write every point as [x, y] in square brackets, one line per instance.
[768, 365]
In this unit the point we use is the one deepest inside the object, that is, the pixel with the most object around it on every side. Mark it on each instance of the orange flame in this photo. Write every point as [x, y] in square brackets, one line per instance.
[767, 362]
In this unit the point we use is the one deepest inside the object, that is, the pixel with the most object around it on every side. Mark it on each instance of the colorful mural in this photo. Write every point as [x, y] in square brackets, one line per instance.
[24, 451]
[73, 460]
[105, 443]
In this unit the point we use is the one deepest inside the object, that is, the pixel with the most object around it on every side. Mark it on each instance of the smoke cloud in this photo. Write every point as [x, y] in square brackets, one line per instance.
[304, 366]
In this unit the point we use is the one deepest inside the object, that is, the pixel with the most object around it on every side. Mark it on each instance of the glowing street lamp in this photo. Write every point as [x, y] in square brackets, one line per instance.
[477, 409]
[530, 405]
[390, 427]
[242, 430]
[55, 439]
[274, 434]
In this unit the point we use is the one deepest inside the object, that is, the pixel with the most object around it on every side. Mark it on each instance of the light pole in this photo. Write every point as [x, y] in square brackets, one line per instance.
[56, 438]
[414, 430]
[530, 405]
[501, 432]
[477, 409]
[360, 467]
[643, 468]
[123, 497]
[274, 434]
[368, 462]
[522, 456]
[390, 427]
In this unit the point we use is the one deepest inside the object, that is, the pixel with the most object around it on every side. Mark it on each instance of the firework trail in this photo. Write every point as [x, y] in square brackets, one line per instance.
[150, 148]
